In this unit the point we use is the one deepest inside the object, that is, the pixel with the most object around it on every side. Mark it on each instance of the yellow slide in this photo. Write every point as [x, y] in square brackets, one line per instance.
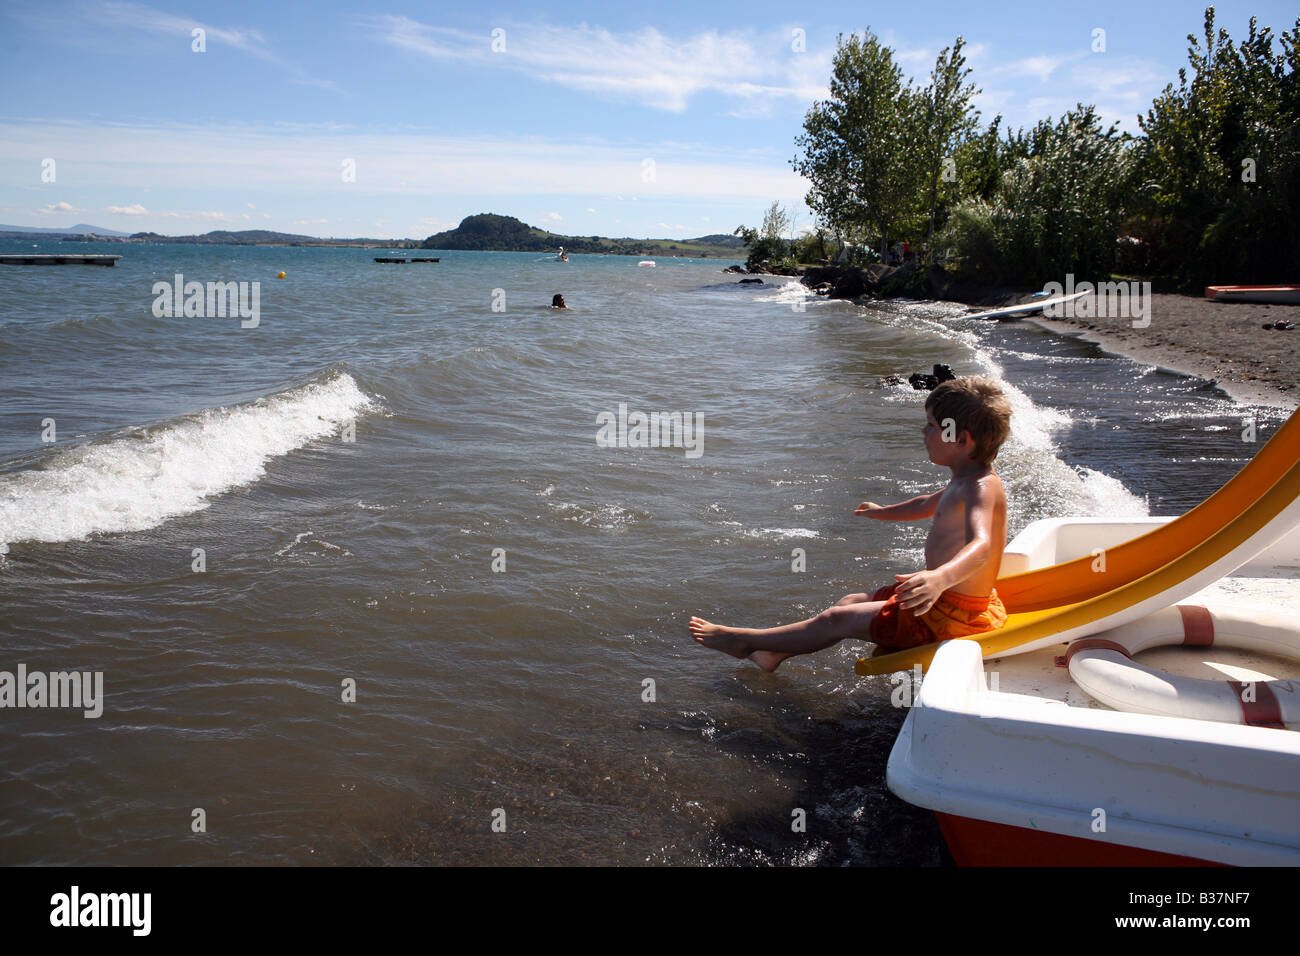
[1051, 605]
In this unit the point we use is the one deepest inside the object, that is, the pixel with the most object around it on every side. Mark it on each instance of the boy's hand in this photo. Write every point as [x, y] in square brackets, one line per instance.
[917, 592]
[867, 507]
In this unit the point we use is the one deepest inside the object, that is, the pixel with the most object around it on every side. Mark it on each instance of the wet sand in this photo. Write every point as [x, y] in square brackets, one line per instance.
[1225, 342]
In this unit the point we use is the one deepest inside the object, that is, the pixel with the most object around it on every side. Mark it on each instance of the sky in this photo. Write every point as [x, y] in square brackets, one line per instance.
[391, 120]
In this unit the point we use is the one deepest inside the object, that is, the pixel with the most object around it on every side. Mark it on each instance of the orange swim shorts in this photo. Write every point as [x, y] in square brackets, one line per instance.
[953, 615]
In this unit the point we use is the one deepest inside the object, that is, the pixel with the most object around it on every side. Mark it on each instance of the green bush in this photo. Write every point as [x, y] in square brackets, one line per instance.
[1055, 210]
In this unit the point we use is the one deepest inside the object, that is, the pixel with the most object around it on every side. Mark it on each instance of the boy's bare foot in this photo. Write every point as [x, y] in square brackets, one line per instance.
[719, 638]
[729, 641]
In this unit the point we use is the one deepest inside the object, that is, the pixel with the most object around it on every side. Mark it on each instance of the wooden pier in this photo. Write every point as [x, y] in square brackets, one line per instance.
[62, 259]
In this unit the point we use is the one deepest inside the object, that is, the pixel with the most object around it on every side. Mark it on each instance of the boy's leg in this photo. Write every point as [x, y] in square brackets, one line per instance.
[817, 633]
[852, 599]
[814, 634]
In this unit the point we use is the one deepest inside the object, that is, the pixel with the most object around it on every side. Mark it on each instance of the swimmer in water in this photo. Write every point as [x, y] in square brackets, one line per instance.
[557, 302]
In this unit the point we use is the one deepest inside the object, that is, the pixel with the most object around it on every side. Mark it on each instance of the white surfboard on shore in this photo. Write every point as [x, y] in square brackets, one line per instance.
[1026, 308]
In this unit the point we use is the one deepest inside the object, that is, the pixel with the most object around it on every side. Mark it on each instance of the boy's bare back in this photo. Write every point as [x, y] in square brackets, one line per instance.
[963, 552]
[972, 508]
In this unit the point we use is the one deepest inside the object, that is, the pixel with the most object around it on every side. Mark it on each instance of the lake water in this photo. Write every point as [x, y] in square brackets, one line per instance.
[393, 483]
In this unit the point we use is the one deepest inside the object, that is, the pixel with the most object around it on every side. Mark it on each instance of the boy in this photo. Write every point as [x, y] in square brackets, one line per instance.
[967, 420]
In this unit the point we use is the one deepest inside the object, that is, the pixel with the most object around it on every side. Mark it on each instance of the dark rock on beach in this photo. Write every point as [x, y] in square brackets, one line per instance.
[906, 281]
[923, 382]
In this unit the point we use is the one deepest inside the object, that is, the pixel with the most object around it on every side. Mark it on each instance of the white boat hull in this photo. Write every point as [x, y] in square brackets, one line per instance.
[1194, 789]
[1023, 767]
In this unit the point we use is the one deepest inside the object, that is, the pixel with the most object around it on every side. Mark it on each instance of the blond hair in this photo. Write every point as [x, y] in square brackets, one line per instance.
[977, 406]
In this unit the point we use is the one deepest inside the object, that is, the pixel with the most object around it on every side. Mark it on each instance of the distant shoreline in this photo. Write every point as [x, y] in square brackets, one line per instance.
[484, 232]
[407, 244]
[204, 241]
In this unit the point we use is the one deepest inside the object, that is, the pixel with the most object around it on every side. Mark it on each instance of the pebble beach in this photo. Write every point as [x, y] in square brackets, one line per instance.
[1224, 342]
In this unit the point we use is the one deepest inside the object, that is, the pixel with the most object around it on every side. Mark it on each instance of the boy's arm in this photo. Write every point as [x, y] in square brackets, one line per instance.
[914, 509]
[920, 590]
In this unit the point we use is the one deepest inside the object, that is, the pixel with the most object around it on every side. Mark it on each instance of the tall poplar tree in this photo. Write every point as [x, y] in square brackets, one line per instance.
[947, 121]
[859, 147]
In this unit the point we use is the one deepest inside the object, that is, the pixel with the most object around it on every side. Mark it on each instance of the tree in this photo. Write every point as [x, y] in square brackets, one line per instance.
[980, 162]
[776, 222]
[1218, 175]
[947, 120]
[1057, 208]
[766, 243]
[858, 148]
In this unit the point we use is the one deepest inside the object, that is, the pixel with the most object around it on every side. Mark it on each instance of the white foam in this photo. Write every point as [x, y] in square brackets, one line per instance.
[139, 479]
[1030, 464]
[789, 293]
[1038, 482]
[780, 533]
[297, 540]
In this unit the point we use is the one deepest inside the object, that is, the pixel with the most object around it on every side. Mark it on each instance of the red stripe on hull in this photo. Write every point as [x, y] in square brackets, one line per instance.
[981, 843]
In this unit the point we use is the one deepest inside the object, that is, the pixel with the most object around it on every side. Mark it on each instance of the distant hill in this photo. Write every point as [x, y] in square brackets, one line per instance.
[497, 233]
[80, 229]
[226, 237]
[721, 239]
[486, 232]
[492, 233]
[247, 237]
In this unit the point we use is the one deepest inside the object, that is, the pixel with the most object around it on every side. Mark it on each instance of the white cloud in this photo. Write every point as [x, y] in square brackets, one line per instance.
[301, 160]
[646, 66]
[121, 14]
[427, 225]
[57, 207]
[553, 215]
[310, 222]
[1032, 88]
[206, 215]
[589, 209]
[1040, 67]
[135, 209]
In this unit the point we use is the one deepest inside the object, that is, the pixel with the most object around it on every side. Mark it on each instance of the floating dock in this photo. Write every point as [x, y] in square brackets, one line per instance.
[62, 259]
[401, 261]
